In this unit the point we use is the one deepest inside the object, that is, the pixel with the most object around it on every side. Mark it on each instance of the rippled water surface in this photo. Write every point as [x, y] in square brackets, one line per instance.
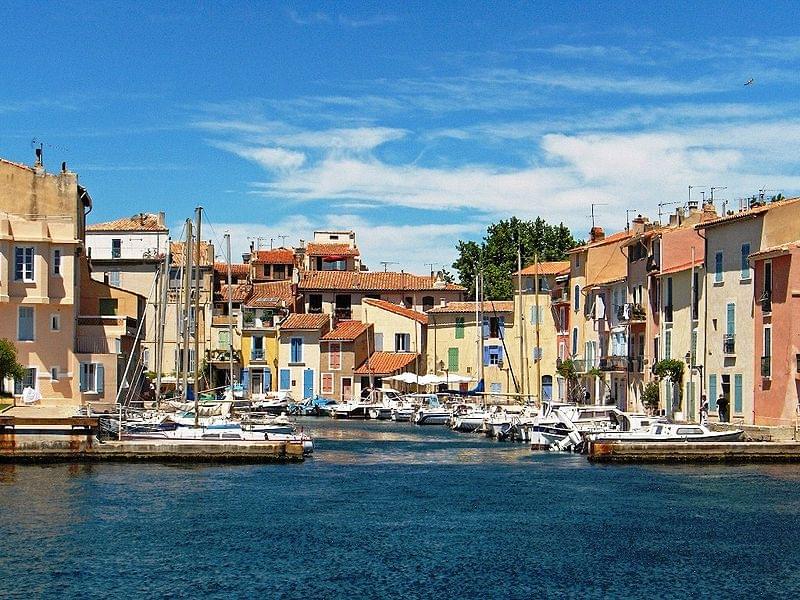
[393, 510]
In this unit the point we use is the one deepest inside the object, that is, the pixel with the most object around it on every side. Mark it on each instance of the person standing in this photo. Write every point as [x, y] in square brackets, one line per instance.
[723, 407]
[703, 410]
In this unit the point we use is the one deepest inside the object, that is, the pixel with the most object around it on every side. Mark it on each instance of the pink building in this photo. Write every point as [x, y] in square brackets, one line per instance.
[776, 334]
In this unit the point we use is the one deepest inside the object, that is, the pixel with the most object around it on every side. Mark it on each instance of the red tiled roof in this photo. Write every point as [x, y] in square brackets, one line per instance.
[238, 270]
[346, 331]
[489, 306]
[398, 310]
[385, 363]
[269, 294]
[305, 321]
[316, 249]
[140, 222]
[775, 250]
[239, 292]
[614, 237]
[277, 256]
[545, 268]
[681, 267]
[753, 212]
[371, 281]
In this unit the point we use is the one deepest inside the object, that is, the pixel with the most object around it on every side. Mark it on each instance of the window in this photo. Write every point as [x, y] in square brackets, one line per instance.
[92, 378]
[494, 327]
[23, 264]
[693, 350]
[745, 261]
[668, 302]
[116, 248]
[576, 299]
[379, 342]
[25, 327]
[57, 262]
[459, 328]
[54, 374]
[766, 294]
[402, 342]
[285, 379]
[492, 355]
[334, 356]
[108, 307]
[452, 360]
[767, 341]
[730, 329]
[737, 393]
[145, 357]
[113, 278]
[696, 295]
[667, 344]
[574, 341]
[315, 303]
[327, 383]
[55, 322]
[224, 339]
[296, 350]
[427, 303]
[28, 380]
[537, 316]
[718, 267]
[117, 346]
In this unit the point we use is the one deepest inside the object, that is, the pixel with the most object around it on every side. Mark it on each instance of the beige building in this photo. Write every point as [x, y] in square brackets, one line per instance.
[332, 251]
[342, 350]
[299, 354]
[456, 346]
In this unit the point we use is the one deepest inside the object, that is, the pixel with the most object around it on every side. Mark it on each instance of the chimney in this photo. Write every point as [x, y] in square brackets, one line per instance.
[596, 234]
[638, 224]
[692, 205]
[162, 219]
[442, 302]
[38, 166]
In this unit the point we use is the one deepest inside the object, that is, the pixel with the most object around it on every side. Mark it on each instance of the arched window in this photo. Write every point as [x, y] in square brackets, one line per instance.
[577, 298]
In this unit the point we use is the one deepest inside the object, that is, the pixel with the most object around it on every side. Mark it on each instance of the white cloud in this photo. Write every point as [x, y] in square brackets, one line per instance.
[272, 159]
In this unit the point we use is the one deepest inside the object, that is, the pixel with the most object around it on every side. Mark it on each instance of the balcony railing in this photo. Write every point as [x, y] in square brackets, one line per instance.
[635, 364]
[729, 344]
[559, 294]
[766, 366]
[256, 354]
[668, 313]
[343, 314]
[614, 363]
[766, 302]
[631, 312]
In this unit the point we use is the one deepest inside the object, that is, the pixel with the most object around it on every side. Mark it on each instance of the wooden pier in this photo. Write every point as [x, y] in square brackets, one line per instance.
[697, 452]
[74, 439]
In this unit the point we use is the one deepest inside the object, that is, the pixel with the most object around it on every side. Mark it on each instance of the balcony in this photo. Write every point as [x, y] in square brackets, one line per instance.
[636, 364]
[343, 314]
[631, 312]
[559, 294]
[614, 363]
[257, 354]
[729, 344]
[223, 356]
[766, 366]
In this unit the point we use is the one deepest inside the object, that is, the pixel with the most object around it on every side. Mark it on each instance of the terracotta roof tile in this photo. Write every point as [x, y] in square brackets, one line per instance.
[385, 363]
[371, 281]
[238, 270]
[681, 267]
[316, 249]
[397, 309]
[277, 256]
[610, 239]
[176, 253]
[489, 306]
[545, 268]
[270, 294]
[305, 321]
[346, 331]
[239, 292]
[753, 212]
[775, 250]
[140, 222]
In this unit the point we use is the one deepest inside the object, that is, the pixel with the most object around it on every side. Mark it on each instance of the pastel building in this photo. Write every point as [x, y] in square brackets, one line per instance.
[342, 350]
[299, 354]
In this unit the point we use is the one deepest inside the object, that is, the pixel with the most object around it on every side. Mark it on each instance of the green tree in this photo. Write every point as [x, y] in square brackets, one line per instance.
[496, 255]
[673, 369]
[650, 396]
[9, 367]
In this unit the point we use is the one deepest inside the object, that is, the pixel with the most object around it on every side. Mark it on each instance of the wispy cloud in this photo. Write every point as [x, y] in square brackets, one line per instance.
[322, 17]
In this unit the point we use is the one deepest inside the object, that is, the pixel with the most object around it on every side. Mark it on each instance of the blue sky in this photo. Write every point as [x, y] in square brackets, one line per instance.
[416, 124]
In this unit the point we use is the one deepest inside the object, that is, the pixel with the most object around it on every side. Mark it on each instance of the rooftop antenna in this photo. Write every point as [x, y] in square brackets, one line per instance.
[628, 212]
[696, 187]
[596, 204]
[283, 240]
[662, 204]
[717, 187]
[386, 264]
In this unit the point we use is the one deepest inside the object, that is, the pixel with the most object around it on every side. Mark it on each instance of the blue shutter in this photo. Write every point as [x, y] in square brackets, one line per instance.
[534, 316]
[297, 350]
[83, 378]
[101, 379]
[485, 355]
[285, 379]
[745, 261]
[267, 380]
[712, 392]
[737, 392]
[718, 267]
[731, 326]
[485, 328]
[500, 353]
[502, 328]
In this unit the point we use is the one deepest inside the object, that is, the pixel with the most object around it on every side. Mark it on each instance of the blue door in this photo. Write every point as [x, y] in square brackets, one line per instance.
[308, 383]
[267, 380]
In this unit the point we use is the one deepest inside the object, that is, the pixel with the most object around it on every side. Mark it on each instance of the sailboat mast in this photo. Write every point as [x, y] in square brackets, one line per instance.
[160, 325]
[187, 263]
[230, 311]
[198, 217]
[520, 328]
[479, 291]
[538, 357]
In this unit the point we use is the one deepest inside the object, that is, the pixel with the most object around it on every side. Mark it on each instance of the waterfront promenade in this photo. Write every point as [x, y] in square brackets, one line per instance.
[389, 510]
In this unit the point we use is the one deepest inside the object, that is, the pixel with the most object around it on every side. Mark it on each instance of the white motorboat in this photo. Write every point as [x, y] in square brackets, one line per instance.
[669, 432]
[383, 400]
[431, 412]
[468, 418]
[232, 433]
[404, 412]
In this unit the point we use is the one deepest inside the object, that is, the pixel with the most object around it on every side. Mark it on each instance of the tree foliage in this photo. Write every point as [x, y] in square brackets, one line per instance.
[9, 367]
[674, 369]
[496, 255]
[650, 395]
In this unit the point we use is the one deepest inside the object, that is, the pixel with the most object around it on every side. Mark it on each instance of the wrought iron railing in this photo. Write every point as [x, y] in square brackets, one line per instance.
[766, 366]
[729, 344]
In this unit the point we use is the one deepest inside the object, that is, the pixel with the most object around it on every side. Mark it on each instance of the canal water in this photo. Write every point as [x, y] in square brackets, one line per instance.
[393, 510]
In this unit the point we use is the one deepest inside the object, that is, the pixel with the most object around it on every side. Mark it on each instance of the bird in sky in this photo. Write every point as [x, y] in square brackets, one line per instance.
[749, 81]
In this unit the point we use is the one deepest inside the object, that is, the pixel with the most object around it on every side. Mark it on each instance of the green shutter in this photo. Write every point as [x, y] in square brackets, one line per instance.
[731, 326]
[737, 393]
[459, 328]
[452, 360]
[712, 392]
[745, 261]
[668, 344]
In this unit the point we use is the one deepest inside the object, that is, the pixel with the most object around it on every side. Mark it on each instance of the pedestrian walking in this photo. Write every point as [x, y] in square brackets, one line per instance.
[723, 407]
